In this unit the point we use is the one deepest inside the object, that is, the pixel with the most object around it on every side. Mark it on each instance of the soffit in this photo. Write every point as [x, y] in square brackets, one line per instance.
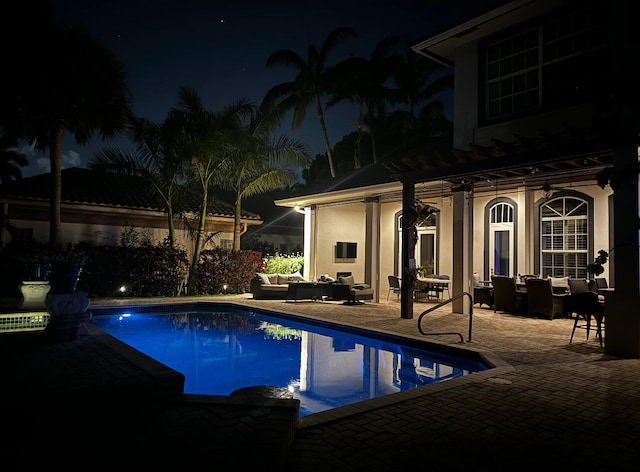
[442, 47]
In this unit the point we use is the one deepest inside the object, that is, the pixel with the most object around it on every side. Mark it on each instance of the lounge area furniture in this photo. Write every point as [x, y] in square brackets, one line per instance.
[273, 286]
[483, 296]
[353, 293]
[542, 301]
[585, 303]
[432, 286]
[394, 286]
[309, 291]
[506, 296]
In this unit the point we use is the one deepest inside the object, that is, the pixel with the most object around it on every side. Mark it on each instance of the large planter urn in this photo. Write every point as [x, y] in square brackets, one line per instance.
[64, 278]
[68, 313]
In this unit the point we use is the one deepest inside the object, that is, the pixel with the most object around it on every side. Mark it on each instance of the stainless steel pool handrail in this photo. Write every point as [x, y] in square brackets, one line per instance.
[441, 304]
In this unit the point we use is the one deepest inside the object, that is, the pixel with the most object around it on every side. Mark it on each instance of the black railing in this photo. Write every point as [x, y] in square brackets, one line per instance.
[441, 304]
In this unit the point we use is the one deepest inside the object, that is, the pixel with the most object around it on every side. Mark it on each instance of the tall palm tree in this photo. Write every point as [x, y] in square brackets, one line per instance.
[364, 82]
[256, 164]
[63, 80]
[157, 158]
[310, 85]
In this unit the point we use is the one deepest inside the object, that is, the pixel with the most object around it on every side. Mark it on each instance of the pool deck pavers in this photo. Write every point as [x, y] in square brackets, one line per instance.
[96, 403]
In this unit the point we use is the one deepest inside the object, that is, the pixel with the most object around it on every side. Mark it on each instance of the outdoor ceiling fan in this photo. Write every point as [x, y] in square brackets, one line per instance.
[547, 190]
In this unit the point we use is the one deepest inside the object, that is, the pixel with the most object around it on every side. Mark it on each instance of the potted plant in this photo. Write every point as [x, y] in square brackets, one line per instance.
[595, 268]
[65, 270]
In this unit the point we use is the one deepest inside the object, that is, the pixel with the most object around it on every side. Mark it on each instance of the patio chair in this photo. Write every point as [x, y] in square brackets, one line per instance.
[541, 301]
[586, 305]
[506, 297]
[394, 286]
[353, 293]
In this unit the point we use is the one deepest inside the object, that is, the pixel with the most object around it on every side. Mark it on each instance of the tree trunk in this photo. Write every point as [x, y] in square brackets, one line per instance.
[237, 226]
[325, 136]
[197, 248]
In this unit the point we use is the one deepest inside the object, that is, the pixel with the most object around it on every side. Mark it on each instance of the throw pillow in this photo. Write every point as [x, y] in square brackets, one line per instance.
[296, 277]
[347, 280]
[264, 279]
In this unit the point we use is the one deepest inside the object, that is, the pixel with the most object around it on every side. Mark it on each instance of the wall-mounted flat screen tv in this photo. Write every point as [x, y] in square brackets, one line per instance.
[346, 250]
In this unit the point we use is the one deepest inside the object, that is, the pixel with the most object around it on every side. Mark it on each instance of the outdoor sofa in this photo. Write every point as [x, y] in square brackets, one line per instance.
[273, 286]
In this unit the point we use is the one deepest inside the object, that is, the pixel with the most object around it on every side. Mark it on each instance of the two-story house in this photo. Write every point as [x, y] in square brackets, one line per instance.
[543, 172]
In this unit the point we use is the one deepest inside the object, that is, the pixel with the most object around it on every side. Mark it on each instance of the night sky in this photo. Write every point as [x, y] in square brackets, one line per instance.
[221, 50]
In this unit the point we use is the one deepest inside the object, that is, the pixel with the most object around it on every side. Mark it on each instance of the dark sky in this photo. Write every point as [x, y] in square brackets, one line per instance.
[220, 49]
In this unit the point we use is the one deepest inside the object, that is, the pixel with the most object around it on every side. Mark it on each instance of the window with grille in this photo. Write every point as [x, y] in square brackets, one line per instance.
[564, 237]
[554, 63]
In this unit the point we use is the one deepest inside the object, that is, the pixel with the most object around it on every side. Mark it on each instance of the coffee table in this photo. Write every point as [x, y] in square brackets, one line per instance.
[308, 291]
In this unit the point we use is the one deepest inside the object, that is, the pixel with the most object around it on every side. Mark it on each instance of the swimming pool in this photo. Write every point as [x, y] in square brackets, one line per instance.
[222, 348]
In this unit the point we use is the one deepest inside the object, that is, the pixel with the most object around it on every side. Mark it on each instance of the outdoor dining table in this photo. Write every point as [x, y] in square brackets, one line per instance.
[434, 283]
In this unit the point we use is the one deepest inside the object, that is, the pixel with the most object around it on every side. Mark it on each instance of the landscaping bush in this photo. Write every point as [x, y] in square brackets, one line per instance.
[220, 267]
[284, 264]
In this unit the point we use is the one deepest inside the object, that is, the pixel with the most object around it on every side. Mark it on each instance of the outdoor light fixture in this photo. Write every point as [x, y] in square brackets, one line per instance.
[122, 289]
[224, 288]
[547, 191]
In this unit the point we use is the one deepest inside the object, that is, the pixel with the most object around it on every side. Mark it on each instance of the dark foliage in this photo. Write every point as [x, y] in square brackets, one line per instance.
[220, 267]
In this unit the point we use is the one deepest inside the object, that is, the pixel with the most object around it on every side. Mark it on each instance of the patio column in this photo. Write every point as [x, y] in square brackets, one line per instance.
[372, 246]
[310, 243]
[462, 235]
[408, 252]
[622, 308]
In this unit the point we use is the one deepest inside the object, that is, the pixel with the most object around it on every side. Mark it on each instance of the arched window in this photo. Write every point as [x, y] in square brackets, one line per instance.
[564, 237]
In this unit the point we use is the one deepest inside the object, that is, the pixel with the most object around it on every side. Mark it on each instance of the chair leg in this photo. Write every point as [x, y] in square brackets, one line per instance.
[575, 325]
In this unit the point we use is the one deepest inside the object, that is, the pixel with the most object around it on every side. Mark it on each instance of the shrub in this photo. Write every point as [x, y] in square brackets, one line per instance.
[220, 267]
[284, 264]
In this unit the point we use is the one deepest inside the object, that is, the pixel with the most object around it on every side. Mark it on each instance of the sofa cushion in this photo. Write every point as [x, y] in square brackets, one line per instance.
[273, 278]
[347, 280]
[264, 279]
[296, 277]
[274, 287]
[283, 279]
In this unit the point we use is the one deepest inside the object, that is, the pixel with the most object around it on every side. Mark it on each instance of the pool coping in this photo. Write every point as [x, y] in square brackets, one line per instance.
[167, 379]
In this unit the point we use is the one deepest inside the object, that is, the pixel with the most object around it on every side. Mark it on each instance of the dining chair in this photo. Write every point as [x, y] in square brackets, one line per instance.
[542, 301]
[586, 305]
[506, 297]
[394, 286]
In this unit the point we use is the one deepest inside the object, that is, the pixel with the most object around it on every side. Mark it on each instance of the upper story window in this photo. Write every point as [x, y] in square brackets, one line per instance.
[545, 65]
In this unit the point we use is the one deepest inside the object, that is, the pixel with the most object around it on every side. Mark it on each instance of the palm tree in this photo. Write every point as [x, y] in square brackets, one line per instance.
[364, 82]
[72, 84]
[206, 137]
[10, 158]
[310, 85]
[256, 165]
[418, 79]
[157, 159]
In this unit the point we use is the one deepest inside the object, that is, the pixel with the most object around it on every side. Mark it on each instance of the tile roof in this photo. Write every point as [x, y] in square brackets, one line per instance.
[84, 186]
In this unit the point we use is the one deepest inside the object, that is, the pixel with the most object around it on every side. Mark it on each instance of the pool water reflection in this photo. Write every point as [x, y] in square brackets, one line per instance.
[220, 351]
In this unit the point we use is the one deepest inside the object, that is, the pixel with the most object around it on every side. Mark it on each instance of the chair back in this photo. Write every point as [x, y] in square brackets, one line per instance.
[505, 297]
[578, 286]
[394, 282]
[601, 282]
[541, 300]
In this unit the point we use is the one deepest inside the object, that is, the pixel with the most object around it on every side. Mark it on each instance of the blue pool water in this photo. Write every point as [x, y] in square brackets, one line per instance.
[226, 348]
